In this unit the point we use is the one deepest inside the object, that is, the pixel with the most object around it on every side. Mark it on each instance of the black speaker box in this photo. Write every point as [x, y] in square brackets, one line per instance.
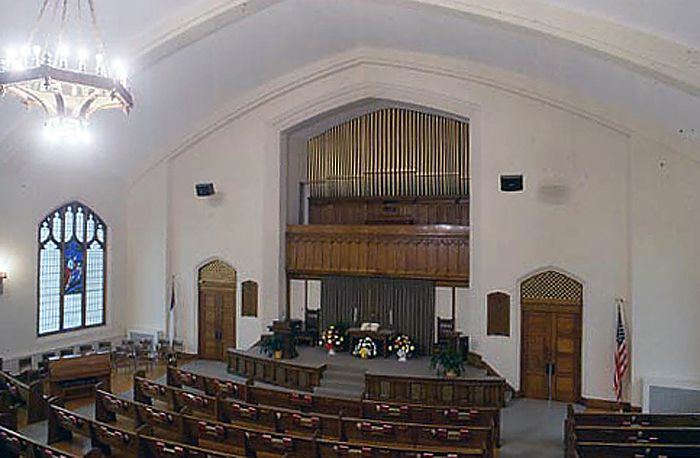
[511, 183]
[204, 189]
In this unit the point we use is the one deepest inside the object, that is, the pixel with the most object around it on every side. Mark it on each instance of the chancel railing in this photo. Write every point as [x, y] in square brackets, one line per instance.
[439, 253]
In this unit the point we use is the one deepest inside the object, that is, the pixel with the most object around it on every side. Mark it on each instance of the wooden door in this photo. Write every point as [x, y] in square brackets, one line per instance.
[217, 310]
[551, 342]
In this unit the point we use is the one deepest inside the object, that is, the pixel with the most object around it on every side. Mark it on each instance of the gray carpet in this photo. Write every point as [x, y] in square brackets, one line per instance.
[531, 428]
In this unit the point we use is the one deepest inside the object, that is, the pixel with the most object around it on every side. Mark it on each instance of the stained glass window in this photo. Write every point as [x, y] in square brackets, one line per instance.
[72, 244]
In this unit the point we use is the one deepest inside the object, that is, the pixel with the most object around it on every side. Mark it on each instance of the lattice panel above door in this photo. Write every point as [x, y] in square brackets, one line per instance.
[217, 271]
[552, 285]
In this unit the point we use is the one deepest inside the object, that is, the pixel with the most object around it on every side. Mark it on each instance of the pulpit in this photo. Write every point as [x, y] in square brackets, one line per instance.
[287, 330]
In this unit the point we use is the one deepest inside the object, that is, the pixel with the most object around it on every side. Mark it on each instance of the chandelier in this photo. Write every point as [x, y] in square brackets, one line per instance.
[68, 84]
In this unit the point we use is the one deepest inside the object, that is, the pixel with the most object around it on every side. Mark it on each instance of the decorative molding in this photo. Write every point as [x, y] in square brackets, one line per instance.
[421, 252]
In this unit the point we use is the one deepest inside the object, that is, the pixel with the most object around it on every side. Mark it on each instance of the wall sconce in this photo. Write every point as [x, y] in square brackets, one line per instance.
[3, 276]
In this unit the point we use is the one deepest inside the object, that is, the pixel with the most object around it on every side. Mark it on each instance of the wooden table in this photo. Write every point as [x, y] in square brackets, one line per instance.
[383, 336]
[76, 376]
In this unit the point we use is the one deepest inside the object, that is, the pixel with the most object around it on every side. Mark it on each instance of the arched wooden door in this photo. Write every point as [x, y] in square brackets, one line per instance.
[551, 306]
[217, 310]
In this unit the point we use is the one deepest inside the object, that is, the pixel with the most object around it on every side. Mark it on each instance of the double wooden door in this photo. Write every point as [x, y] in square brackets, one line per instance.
[217, 319]
[551, 351]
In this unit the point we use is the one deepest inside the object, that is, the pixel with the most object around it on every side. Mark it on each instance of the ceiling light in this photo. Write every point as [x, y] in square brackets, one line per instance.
[66, 85]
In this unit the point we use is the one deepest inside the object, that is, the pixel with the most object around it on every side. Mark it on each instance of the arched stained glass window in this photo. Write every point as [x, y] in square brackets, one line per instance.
[72, 245]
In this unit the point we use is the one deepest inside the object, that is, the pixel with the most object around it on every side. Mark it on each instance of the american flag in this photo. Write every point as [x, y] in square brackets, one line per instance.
[621, 353]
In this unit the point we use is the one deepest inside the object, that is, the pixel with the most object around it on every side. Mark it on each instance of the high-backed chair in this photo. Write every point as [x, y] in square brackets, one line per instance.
[162, 349]
[447, 337]
[309, 335]
[66, 351]
[25, 364]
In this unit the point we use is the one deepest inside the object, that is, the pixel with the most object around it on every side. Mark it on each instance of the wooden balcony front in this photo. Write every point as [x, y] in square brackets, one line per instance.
[439, 253]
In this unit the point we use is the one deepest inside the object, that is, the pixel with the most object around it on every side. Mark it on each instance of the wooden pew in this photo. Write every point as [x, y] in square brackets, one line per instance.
[171, 425]
[177, 399]
[237, 412]
[322, 405]
[15, 445]
[437, 438]
[29, 396]
[75, 376]
[353, 430]
[331, 449]
[64, 423]
[631, 434]
[639, 435]
[609, 450]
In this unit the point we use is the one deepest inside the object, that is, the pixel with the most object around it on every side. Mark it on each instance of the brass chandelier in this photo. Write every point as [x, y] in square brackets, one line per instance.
[67, 84]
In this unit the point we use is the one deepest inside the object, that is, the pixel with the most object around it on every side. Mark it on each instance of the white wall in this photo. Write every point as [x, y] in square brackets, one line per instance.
[147, 261]
[666, 292]
[39, 182]
[580, 227]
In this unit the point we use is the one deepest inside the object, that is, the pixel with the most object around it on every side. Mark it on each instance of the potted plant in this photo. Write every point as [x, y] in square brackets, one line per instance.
[448, 363]
[272, 347]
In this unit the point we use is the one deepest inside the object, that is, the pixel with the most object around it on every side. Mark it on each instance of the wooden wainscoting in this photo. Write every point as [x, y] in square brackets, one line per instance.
[439, 253]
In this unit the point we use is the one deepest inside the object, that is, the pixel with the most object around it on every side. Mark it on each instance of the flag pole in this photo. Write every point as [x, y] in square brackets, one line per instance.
[621, 351]
[171, 312]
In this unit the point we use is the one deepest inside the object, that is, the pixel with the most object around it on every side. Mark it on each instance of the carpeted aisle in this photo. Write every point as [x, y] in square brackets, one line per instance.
[531, 428]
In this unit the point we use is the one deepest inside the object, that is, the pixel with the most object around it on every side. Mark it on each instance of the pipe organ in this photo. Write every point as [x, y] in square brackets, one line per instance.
[390, 153]
[389, 196]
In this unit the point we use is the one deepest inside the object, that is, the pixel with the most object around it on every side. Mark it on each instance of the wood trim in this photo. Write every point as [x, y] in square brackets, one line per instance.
[281, 373]
[552, 308]
[438, 253]
[481, 392]
[606, 404]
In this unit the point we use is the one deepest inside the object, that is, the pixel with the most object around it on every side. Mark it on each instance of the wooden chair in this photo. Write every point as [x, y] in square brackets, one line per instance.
[162, 349]
[65, 352]
[447, 337]
[121, 357]
[25, 364]
[144, 353]
[309, 335]
[43, 365]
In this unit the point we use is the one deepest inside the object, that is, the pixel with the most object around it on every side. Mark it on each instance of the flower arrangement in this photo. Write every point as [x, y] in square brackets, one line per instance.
[402, 346]
[365, 348]
[332, 339]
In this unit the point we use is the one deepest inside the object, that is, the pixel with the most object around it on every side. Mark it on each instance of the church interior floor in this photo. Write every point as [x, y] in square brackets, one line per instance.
[530, 428]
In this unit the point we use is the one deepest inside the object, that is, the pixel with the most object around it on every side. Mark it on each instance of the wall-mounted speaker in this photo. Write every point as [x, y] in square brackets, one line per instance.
[511, 183]
[204, 189]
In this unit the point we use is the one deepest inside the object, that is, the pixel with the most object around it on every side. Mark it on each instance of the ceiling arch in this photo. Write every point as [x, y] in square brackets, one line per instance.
[647, 52]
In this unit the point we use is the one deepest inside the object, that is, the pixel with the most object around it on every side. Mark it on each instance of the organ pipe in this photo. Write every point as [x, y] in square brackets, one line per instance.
[390, 152]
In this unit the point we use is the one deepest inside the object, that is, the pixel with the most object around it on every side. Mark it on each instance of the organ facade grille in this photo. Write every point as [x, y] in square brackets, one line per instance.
[390, 153]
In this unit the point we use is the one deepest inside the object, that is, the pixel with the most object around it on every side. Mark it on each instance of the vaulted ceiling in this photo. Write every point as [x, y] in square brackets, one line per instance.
[190, 59]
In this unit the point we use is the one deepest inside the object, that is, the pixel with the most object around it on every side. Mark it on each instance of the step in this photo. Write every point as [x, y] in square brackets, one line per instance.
[344, 377]
[338, 392]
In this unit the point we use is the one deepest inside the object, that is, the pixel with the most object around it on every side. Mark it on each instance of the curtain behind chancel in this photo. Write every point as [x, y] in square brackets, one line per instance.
[407, 306]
